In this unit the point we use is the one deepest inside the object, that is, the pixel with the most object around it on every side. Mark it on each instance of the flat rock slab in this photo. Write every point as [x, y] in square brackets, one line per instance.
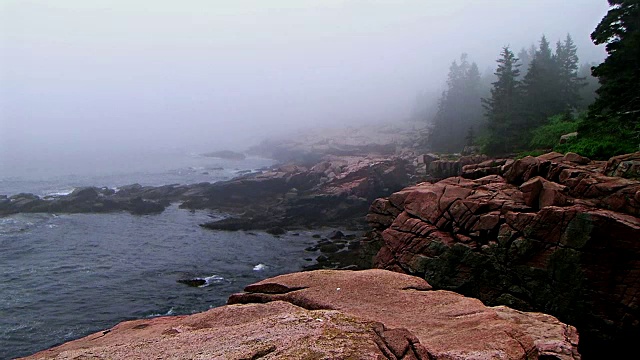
[448, 325]
[371, 314]
[278, 330]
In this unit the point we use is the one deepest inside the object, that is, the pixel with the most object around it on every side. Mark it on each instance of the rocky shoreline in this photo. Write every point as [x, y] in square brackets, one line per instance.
[555, 234]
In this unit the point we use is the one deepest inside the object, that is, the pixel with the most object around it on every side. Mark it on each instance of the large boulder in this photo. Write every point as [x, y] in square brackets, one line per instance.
[626, 166]
[372, 314]
[444, 168]
[553, 235]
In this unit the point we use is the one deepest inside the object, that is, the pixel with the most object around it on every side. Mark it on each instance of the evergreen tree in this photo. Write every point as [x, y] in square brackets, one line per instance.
[502, 108]
[459, 107]
[568, 80]
[471, 137]
[591, 84]
[616, 111]
[526, 56]
[542, 87]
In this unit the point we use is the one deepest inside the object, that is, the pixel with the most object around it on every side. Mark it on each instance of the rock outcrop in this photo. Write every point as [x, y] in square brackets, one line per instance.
[551, 234]
[336, 191]
[432, 167]
[82, 200]
[372, 314]
[626, 166]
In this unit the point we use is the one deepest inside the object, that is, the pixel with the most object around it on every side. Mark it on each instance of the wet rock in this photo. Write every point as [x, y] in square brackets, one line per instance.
[84, 194]
[139, 206]
[196, 282]
[276, 231]
[329, 248]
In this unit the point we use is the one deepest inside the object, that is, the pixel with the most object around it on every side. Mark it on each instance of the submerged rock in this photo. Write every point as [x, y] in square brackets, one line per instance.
[195, 282]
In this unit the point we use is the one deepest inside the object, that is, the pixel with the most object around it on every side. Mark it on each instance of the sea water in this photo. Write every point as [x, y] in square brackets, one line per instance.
[64, 276]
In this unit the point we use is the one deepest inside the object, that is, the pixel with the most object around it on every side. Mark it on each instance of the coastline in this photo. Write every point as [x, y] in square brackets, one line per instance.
[338, 191]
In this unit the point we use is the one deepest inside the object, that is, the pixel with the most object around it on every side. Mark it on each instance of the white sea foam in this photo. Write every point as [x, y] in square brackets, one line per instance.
[62, 192]
[170, 312]
[259, 267]
[213, 279]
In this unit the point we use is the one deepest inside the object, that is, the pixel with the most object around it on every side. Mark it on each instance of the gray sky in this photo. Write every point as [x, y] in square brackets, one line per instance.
[211, 74]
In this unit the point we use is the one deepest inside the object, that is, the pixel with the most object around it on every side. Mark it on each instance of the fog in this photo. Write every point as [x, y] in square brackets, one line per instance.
[101, 76]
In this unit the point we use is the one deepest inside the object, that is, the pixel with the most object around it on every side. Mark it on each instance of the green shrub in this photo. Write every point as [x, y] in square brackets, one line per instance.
[548, 136]
[600, 147]
[601, 137]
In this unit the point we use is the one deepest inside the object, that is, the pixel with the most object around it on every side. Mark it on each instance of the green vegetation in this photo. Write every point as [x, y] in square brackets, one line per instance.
[611, 142]
[547, 136]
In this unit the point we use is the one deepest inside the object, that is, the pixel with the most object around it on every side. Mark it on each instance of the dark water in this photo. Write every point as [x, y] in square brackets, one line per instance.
[65, 276]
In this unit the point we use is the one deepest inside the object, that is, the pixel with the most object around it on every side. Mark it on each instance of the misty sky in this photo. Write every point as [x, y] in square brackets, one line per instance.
[100, 74]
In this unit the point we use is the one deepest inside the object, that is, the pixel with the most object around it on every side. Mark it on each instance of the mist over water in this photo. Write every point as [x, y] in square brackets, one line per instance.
[108, 78]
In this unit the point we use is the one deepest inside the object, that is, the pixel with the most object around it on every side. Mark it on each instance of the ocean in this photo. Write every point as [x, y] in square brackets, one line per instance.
[64, 276]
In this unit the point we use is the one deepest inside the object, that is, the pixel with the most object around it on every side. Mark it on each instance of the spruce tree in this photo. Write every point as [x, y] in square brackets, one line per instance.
[542, 87]
[616, 111]
[526, 56]
[459, 107]
[591, 85]
[502, 108]
[568, 80]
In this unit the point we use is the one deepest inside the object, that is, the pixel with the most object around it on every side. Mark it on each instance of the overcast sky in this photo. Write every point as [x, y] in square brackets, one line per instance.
[211, 73]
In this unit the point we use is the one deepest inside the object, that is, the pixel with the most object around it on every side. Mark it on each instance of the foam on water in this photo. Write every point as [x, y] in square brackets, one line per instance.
[55, 193]
[212, 280]
[259, 267]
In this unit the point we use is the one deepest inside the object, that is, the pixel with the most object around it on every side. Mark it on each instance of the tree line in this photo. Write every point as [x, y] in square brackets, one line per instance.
[542, 92]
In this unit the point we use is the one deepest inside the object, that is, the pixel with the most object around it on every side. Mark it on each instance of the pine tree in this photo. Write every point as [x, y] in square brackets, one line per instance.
[502, 109]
